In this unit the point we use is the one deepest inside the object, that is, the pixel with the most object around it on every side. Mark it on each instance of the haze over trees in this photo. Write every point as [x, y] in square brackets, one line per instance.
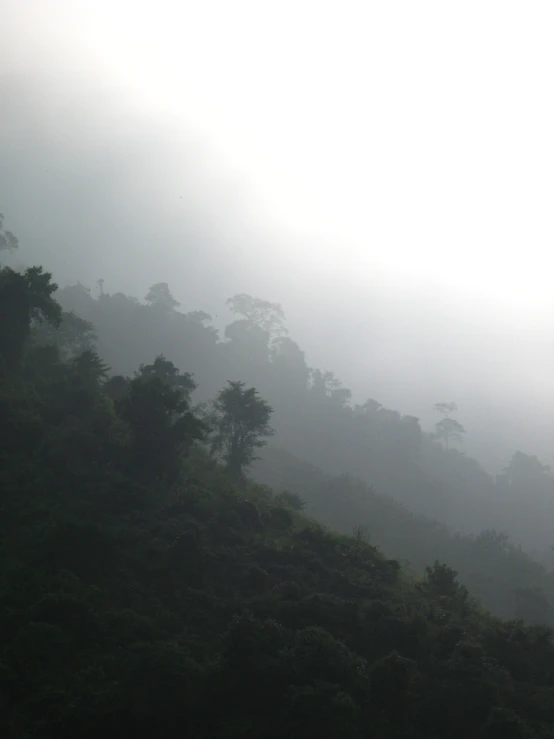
[145, 577]
[448, 429]
[316, 418]
[276, 371]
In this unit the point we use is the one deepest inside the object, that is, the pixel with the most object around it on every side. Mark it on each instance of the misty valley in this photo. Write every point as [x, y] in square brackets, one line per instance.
[203, 536]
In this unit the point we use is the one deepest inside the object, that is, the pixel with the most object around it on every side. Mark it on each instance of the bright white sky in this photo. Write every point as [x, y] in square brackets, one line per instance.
[416, 135]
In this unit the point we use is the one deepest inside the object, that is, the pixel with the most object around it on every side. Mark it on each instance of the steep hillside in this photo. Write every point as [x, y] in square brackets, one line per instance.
[506, 579]
[315, 418]
[148, 589]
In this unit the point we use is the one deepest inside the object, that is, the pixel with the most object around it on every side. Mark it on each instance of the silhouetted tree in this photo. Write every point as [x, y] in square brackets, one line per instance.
[91, 368]
[162, 424]
[241, 421]
[441, 580]
[448, 429]
[166, 371]
[267, 316]
[160, 296]
[25, 298]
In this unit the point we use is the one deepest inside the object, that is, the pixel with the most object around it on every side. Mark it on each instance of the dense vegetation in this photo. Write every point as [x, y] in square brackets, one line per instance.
[507, 580]
[149, 588]
[488, 519]
[315, 417]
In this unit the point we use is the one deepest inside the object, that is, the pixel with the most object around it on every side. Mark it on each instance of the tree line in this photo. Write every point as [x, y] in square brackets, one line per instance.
[315, 417]
[149, 588]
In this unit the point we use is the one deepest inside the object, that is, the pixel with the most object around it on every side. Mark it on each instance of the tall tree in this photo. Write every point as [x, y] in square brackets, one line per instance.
[90, 367]
[267, 316]
[448, 429]
[25, 299]
[241, 423]
[160, 296]
[163, 427]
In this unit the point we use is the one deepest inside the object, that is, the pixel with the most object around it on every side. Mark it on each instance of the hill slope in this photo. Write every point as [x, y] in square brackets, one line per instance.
[315, 418]
[507, 580]
[143, 594]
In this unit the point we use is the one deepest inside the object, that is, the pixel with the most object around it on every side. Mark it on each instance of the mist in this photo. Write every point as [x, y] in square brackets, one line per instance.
[393, 271]
[276, 369]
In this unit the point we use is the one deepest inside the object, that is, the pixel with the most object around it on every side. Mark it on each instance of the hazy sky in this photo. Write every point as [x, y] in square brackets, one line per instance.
[326, 153]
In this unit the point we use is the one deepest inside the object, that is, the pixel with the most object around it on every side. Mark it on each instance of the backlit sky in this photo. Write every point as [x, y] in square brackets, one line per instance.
[415, 135]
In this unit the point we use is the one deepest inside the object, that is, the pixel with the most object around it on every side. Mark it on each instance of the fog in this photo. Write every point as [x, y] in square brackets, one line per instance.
[385, 176]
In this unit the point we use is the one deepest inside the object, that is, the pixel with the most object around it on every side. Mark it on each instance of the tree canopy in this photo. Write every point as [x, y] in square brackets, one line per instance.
[143, 582]
[25, 299]
[241, 425]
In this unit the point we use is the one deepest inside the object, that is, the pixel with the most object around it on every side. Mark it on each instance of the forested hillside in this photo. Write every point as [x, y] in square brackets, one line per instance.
[151, 587]
[450, 508]
[148, 589]
[315, 417]
[508, 581]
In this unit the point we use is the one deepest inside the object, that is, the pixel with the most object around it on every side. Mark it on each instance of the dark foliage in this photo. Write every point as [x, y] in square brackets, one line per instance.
[240, 422]
[145, 594]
